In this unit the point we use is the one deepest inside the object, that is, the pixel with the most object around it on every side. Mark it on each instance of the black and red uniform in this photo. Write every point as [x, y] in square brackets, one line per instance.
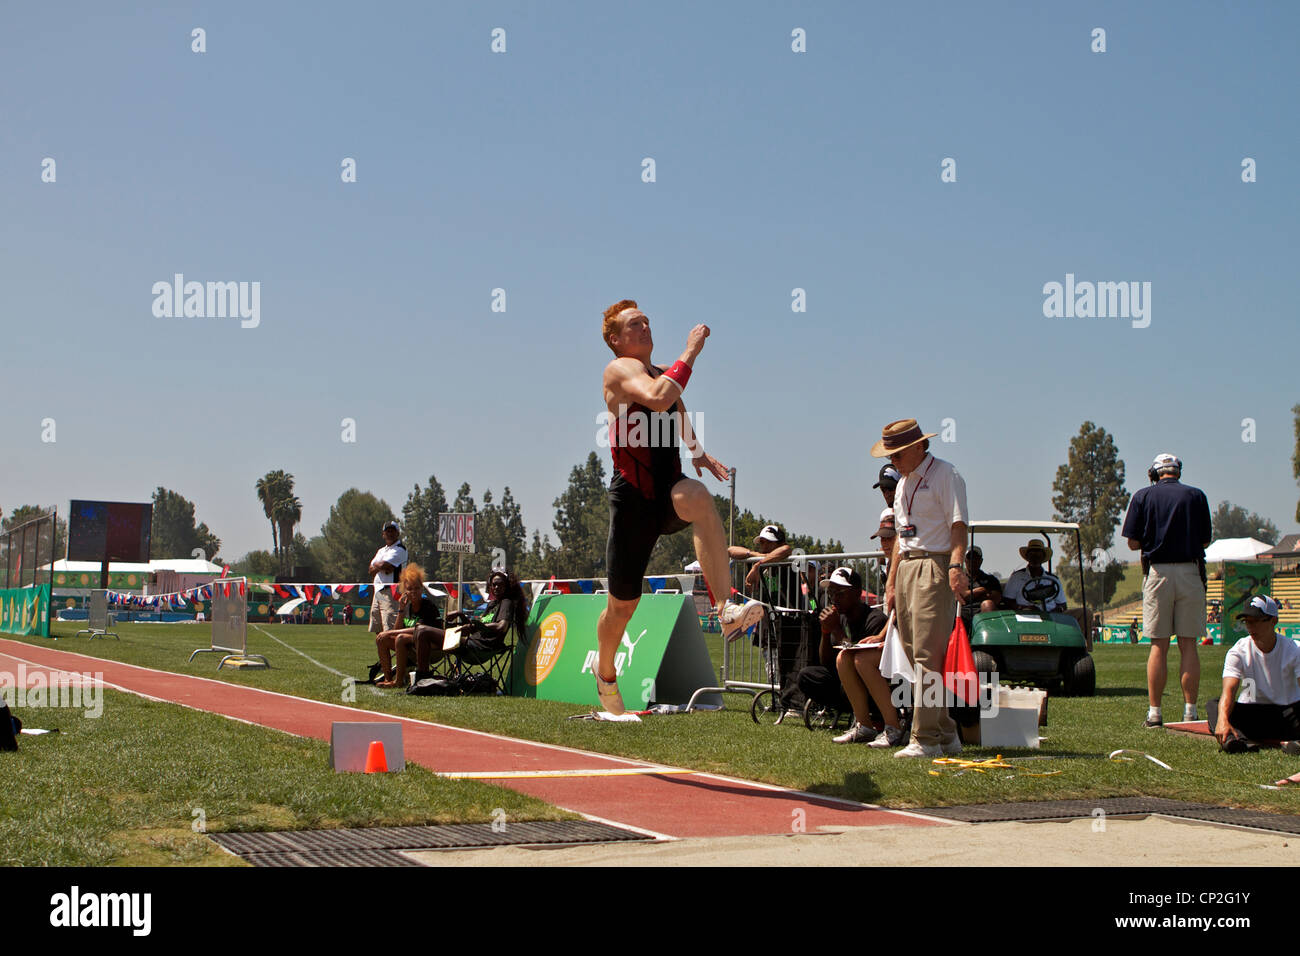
[646, 466]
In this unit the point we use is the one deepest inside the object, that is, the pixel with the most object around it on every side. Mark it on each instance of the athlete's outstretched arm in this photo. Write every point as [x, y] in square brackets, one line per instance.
[699, 458]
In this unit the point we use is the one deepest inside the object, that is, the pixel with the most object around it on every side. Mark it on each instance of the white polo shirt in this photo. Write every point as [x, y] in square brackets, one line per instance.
[933, 498]
[1274, 678]
[394, 554]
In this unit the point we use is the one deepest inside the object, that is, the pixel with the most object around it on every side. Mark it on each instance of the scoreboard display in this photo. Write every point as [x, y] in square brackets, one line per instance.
[109, 531]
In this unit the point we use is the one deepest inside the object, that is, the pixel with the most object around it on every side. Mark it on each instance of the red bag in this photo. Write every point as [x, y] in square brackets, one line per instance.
[959, 674]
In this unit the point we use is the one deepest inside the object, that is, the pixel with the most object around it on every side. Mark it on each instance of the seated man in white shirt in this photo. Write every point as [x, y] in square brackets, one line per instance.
[1261, 686]
[1035, 553]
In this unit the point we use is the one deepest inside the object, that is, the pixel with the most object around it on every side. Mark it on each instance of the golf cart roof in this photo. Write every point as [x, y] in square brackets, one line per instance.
[1020, 527]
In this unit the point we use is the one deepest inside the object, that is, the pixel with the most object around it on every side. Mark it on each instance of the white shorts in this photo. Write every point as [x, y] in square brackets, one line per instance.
[1173, 602]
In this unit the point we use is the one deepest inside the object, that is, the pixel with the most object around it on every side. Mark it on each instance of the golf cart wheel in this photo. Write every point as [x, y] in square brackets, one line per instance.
[817, 717]
[985, 663]
[766, 708]
[1078, 676]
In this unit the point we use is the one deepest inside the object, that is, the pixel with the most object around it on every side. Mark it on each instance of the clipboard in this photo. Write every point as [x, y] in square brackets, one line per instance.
[451, 638]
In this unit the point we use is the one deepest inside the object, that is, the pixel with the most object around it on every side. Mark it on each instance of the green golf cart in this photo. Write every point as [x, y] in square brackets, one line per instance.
[1038, 647]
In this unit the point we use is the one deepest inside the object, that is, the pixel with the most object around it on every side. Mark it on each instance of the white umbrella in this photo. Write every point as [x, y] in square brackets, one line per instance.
[290, 606]
[693, 566]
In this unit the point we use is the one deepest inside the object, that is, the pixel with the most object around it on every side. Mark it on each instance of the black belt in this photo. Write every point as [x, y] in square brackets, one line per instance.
[913, 555]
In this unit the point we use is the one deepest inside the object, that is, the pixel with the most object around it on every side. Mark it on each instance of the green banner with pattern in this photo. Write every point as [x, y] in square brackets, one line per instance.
[25, 611]
[662, 657]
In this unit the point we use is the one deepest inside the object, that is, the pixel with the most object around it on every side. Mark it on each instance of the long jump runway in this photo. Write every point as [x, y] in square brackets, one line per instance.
[666, 802]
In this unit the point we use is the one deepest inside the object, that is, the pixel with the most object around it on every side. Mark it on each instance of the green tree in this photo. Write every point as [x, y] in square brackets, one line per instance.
[1089, 489]
[582, 521]
[175, 534]
[260, 563]
[420, 528]
[1234, 521]
[350, 536]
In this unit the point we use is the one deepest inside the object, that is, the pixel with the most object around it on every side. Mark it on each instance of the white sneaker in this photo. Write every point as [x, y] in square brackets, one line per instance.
[918, 749]
[610, 698]
[889, 737]
[736, 619]
[857, 734]
[952, 746]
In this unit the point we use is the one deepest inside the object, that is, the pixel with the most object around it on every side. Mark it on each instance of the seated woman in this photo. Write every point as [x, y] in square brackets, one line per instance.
[415, 611]
[482, 638]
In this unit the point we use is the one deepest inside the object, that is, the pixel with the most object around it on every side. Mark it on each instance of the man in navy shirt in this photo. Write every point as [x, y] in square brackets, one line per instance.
[1169, 522]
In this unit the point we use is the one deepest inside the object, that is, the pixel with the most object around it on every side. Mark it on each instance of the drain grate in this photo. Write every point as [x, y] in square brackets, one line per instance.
[1256, 819]
[379, 846]
[1062, 809]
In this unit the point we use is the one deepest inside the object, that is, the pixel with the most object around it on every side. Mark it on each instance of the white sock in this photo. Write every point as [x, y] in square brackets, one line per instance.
[1153, 713]
[1189, 711]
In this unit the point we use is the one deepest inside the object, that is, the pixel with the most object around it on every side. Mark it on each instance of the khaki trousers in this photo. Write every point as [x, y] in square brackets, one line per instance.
[925, 611]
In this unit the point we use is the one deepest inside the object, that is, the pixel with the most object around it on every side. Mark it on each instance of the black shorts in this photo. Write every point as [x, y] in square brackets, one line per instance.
[635, 524]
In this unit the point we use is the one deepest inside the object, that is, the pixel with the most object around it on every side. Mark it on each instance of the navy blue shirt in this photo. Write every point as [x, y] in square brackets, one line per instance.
[1172, 520]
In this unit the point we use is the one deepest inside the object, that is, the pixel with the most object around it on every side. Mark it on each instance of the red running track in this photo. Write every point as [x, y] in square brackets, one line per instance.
[671, 803]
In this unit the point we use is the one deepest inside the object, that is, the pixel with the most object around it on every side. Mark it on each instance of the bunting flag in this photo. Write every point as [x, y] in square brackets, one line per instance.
[364, 590]
[657, 584]
[587, 587]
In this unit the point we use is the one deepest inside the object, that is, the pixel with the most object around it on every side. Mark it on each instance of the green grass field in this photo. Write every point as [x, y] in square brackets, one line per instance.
[138, 784]
[1081, 732]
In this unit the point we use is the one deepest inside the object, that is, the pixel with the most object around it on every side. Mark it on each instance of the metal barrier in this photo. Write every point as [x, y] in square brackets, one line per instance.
[788, 636]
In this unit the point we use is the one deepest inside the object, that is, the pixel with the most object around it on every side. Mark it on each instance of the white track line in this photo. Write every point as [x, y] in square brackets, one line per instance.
[301, 654]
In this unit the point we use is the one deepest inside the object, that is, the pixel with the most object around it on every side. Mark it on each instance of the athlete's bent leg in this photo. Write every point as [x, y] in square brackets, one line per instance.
[693, 503]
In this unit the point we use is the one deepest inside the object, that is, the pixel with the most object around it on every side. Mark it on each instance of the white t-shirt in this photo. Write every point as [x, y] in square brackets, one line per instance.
[395, 555]
[933, 498]
[1272, 678]
[1016, 584]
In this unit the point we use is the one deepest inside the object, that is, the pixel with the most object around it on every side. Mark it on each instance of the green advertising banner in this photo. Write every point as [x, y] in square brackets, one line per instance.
[25, 611]
[663, 657]
[1242, 580]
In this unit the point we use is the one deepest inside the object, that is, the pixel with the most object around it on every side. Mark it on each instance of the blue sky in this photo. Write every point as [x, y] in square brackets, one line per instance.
[522, 170]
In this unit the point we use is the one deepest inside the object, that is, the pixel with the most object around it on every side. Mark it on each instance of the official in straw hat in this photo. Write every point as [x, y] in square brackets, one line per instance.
[927, 573]
[1169, 522]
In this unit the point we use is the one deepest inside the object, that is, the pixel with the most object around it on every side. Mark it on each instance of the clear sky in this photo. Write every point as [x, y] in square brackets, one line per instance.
[522, 170]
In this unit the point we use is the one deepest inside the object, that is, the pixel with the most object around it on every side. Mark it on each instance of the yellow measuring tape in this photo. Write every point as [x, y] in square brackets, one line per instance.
[982, 766]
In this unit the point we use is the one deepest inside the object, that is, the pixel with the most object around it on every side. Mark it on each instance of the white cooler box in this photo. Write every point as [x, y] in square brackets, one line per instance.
[1016, 722]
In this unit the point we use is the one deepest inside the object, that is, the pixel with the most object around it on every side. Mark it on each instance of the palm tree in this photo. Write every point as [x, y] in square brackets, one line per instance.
[272, 488]
[288, 512]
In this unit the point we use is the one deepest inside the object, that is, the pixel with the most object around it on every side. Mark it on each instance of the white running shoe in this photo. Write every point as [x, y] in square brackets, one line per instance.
[918, 749]
[610, 698]
[857, 734]
[736, 619]
[889, 737]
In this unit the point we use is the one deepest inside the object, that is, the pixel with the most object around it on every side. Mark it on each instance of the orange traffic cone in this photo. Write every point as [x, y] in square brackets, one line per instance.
[376, 762]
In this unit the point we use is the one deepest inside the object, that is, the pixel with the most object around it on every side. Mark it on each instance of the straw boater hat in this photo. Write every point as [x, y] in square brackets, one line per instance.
[1036, 545]
[898, 435]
